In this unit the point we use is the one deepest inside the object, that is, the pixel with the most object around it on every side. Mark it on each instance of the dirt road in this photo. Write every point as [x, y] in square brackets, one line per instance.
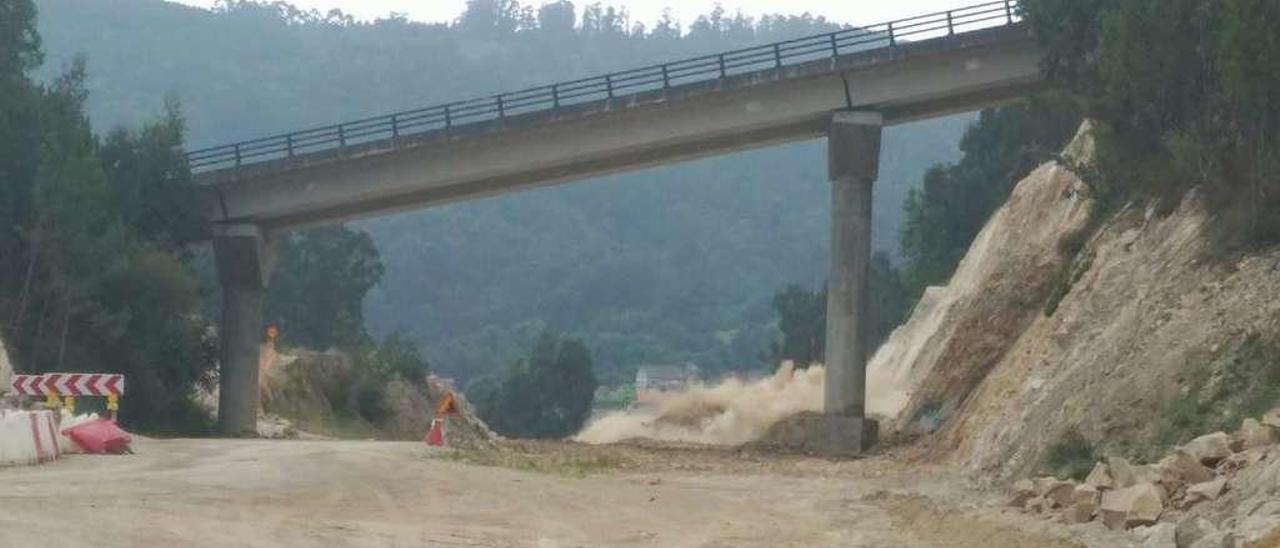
[341, 493]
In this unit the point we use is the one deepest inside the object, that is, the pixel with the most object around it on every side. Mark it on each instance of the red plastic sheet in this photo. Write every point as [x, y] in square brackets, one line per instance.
[100, 436]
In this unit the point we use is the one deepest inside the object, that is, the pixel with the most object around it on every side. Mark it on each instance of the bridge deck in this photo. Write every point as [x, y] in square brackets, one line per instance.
[402, 161]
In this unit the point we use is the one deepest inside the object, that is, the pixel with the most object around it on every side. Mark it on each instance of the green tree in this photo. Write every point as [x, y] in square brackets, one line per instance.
[1185, 93]
[317, 292]
[802, 319]
[545, 395]
[83, 287]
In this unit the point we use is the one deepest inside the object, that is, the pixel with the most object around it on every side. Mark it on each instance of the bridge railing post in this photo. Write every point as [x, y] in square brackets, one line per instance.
[502, 110]
[288, 142]
[555, 95]
[835, 46]
[951, 27]
[1008, 11]
[395, 129]
[237, 148]
[448, 117]
[342, 138]
[608, 85]
[777, 55]
[893, 41]
[723, 72]
[666, 78]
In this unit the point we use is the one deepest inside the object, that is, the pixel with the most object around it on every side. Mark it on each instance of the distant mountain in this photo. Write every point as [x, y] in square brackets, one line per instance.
[669, 264]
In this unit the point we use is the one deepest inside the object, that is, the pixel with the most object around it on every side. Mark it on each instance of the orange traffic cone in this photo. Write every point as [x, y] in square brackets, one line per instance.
[435, 436]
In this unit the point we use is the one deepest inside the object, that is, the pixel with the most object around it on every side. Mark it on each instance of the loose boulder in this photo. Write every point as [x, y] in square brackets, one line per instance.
[1180, 468]
[1023, 492]
[1209, 448]
[1254, 435]
[1191, 530]
[1272, 418]
[1059, 493]
[1209, 490]
[1133, 506]
[1100, 477]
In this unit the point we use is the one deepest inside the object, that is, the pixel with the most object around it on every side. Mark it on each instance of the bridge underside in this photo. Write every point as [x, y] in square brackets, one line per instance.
[847, 99]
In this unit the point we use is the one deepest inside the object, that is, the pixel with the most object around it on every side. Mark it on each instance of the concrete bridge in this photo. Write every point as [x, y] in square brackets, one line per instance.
[844, 85]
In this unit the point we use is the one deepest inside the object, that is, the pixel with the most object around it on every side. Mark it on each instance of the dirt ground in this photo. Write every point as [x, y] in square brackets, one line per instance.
[259, 493]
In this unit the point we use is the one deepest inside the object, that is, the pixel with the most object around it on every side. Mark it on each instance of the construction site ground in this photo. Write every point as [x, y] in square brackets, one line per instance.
[263, 493]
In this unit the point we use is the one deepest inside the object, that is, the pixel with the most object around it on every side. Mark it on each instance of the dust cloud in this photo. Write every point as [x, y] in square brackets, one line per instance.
[736, 410]
[733, 412]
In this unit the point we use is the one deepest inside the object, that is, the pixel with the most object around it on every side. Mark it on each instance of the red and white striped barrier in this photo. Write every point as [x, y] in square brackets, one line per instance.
[83, 384]
[70, 386]
[27, 385]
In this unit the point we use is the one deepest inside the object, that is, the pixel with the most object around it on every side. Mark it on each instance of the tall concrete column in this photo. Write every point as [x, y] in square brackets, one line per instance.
[243, 257]
[853, 146]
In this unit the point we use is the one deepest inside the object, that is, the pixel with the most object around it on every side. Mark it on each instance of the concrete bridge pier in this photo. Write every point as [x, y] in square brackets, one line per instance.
[244, 257]
[853, 146]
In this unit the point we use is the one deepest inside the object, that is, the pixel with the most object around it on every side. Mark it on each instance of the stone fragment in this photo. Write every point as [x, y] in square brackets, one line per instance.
[1209, 448]
[1081, 511]
[1122, 472]
[1023, 491]
[1191, 530]
[1254, 435]
[1261, 526]
[1217, 539]
[1239, 461]
[1272, 418]
[1159, 535]
[1130, 507]
[1180, 468]
[1209, 490]
[1086, 492]
[1060, 494]
[1037, 504]
[1100, 477]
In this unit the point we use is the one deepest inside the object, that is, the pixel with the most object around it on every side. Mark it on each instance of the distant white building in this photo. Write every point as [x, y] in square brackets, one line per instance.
[660, 378]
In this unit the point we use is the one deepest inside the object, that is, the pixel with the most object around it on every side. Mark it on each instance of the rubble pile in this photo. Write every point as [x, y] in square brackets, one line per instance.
[1217, 491]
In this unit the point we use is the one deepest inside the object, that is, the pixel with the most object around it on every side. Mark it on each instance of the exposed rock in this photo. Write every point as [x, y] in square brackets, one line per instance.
[1216, 540]
[1081, 511]
[1254, 435]
[1209, 448]
[1038, 505]
[1191, 530]
[1130, 507]
[1179, 469]
[1127, 475]
[1087, 493]
[1239, 461]
[1059, 493]
[1100, 477]
[1023, 491]
[1209, 490]
[1262, 526]
[1272, 418]
[1159, 535]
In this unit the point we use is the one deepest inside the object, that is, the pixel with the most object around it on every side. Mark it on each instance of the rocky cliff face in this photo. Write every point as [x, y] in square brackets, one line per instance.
[1151, 339]
[925, 372]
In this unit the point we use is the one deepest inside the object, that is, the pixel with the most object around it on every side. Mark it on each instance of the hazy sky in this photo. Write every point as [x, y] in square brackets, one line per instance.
[647, 11]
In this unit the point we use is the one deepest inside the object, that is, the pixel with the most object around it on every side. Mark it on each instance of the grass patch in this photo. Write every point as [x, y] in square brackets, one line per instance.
[1072, 456]
[567, 460]
[1239, 384]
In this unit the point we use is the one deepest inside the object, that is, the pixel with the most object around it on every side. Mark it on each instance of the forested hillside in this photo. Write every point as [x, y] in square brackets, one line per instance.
[670, 264]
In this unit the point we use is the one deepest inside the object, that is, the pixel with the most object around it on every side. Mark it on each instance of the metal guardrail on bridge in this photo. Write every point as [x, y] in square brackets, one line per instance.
[655, 77]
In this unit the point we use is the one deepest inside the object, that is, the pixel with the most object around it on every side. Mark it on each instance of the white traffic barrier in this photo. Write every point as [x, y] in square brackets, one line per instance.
[28, 437]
